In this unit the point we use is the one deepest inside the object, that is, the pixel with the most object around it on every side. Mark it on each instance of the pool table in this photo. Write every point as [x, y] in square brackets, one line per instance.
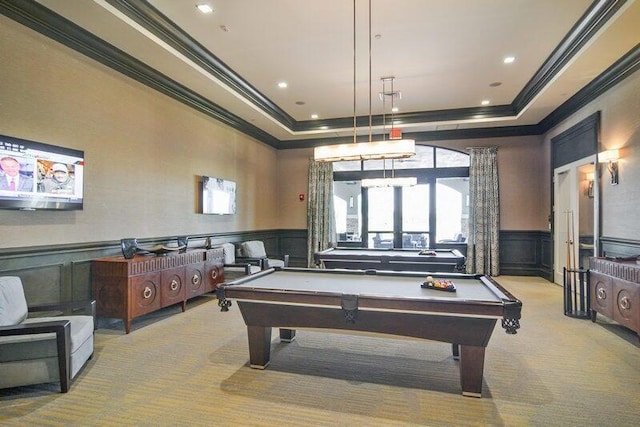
[373, 301]
[436, 260]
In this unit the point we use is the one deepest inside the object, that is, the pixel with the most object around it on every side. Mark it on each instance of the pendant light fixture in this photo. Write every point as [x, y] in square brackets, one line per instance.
[371, 150]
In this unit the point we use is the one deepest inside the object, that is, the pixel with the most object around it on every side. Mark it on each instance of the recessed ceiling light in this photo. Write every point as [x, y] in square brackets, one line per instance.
[314, 116]
[282, 85]
[324, 127]
[485, 102]
[204, 8]
[509, 59]
[394, 110]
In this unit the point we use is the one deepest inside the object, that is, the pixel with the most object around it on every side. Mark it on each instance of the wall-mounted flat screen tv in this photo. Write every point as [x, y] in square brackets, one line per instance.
[34, 175]
[218, 196]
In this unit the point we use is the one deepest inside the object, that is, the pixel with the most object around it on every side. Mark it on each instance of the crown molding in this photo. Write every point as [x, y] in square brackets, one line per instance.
[54, 26]
[39, 18]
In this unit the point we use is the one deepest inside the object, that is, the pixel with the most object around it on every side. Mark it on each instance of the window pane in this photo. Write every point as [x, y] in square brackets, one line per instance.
[415, 240]
[380, 240]
[452, 210]
[381, 209]
[415, 216]
[422, 160]
[346, 166]
[347, 202]
[374, 165]
[449, 158]
[415, 208]
[380, 217]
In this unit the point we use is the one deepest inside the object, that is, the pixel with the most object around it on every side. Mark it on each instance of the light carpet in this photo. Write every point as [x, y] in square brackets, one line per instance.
[190, 369]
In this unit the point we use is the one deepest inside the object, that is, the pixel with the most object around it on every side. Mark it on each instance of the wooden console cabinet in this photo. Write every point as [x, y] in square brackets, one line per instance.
[128, 288]
[615, 291]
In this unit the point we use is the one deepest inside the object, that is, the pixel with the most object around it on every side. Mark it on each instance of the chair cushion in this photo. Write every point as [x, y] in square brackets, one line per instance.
[33, 359]
[229, 250]
[271, 263]
[252, 269]
[13, 305]
[22, 347]
[253, 249]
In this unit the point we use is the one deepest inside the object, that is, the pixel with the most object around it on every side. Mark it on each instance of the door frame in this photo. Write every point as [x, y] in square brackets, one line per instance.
[567, 184]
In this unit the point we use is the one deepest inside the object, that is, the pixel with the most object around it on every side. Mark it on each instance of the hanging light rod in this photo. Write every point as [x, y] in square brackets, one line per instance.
[385, 149]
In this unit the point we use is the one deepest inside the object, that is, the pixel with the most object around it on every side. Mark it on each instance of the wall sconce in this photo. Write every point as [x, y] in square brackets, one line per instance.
[590, 177]
[611, 158]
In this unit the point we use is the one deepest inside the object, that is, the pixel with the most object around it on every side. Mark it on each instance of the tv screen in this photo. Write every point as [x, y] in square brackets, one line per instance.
[34, 175]
[218, 196]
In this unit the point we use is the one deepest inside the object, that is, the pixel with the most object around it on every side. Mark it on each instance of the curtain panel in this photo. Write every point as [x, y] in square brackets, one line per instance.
[484, 212]
[320, 219]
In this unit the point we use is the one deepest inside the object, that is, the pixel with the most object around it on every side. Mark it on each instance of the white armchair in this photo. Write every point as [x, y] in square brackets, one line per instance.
[234, 269]
[253, 250]
[41, 349]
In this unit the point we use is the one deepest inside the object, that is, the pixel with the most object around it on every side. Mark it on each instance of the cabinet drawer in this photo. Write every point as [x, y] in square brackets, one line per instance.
[626, 309]
[602, 294]
[194, 278]
[215, 274]
[172, 286]
[144, 294]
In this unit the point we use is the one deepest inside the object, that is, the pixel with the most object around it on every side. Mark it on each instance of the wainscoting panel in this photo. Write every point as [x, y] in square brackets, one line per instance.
[525, 253]
[611, 247]
[80, 280]
[56, 273]
[60, 273]
[42, 284]
[294, 244]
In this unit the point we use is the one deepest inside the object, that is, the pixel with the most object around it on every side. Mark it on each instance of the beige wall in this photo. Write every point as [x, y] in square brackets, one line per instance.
[620, 128]
[293, 179]
[524, 165]
[524, 181]
[144, 151]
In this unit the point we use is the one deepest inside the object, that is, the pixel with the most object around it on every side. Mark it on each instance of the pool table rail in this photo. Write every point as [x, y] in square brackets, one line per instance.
[393, 259]
[506, 306]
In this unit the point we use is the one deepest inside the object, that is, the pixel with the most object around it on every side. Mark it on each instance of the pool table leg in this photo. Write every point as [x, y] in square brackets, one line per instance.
[259, 346]
[287, 335]
[471, 367]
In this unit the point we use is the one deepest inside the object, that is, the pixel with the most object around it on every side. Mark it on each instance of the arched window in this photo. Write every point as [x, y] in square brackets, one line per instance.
[433, 213]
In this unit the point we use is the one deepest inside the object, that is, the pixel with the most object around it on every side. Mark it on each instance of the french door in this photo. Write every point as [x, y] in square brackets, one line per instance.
[397, 217]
